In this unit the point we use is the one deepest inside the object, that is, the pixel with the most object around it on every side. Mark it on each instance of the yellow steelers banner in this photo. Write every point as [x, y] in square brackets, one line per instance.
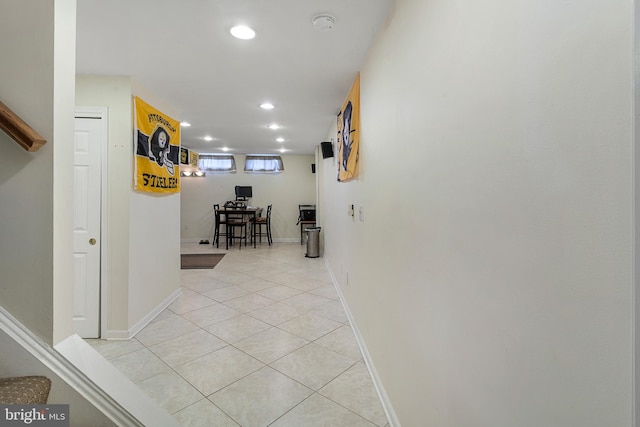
[349, 134]
[157, 168]
[184, 156]
[189, 157]
[193, 158]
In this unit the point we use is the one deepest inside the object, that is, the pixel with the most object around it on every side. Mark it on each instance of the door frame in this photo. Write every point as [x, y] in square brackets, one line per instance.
[101, 113]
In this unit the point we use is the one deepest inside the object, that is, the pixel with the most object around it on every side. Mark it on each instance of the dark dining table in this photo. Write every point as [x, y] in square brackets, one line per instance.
[249, 211]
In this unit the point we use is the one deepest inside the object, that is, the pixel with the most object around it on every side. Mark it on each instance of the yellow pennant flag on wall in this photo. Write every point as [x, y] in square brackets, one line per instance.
[193, 158]
[184, 156]
[348, 141]
[157, 155]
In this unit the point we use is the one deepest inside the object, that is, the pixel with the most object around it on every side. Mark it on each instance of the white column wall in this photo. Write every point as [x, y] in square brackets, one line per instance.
[154, 237]
[491, 278]
[63, 116]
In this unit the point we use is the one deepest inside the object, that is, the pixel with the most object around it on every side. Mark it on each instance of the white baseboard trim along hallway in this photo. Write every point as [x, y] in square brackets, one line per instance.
[377, 382]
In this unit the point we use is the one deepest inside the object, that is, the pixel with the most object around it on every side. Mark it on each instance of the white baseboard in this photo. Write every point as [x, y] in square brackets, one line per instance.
[192, 240]
[120, 334]
[286, 240]
[154, 313]
[116, 335]
[275, 240]
[377, 382]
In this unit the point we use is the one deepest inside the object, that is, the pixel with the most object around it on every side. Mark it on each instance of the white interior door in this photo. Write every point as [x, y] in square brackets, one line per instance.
[86, 225]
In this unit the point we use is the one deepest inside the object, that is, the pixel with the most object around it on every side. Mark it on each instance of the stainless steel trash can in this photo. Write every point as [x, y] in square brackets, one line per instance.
[313, 242]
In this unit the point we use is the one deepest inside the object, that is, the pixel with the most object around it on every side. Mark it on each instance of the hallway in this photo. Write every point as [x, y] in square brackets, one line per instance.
[260, 340]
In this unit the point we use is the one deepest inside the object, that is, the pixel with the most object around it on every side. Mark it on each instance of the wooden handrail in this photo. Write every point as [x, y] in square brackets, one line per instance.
[17, 129]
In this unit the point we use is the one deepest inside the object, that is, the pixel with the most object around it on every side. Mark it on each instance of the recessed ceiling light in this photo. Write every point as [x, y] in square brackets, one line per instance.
[208, 138]
[225, 149]
[185, 124]
[243, 32]
[267, 106]
[273, 126]
[283, 150]
[280, 139]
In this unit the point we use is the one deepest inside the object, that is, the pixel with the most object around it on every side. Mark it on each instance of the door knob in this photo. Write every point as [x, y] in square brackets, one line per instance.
[92, 241]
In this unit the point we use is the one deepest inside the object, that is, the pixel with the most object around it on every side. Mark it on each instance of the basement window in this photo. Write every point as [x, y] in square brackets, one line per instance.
[220, 163]
[263, 164]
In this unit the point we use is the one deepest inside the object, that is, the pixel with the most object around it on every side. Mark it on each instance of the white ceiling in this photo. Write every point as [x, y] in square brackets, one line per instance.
[183, 52]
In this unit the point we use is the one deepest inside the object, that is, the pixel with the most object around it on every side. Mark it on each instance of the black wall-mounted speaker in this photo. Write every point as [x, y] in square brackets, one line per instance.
[327, 149]
[313, 168]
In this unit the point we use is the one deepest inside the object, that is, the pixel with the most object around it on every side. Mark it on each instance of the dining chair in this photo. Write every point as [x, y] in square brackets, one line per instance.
[220, 219]
[236, 226]
[266, 222]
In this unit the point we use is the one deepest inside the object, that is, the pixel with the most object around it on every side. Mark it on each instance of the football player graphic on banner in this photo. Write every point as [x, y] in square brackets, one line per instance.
[348, 137]
[159, 148]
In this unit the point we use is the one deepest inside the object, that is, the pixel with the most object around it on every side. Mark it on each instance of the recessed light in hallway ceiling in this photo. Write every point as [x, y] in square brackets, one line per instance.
[243, 32]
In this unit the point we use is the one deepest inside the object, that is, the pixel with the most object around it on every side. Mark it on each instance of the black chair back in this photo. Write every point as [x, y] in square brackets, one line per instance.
[306, 213]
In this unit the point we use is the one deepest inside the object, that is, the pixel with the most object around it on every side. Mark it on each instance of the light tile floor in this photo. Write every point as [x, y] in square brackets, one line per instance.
[260, 340]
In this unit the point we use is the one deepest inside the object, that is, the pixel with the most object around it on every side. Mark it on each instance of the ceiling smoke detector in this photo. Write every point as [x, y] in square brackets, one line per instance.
[323, 22]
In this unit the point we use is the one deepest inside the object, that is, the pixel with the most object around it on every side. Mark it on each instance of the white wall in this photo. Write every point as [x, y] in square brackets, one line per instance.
[636, 159]
[154, 237]
[33, 212]
[63, 116]
[141, 228]
[285, 191]
[491, 277]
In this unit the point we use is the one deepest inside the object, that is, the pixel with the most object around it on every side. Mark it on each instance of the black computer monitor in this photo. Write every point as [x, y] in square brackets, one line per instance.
[243, 192]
